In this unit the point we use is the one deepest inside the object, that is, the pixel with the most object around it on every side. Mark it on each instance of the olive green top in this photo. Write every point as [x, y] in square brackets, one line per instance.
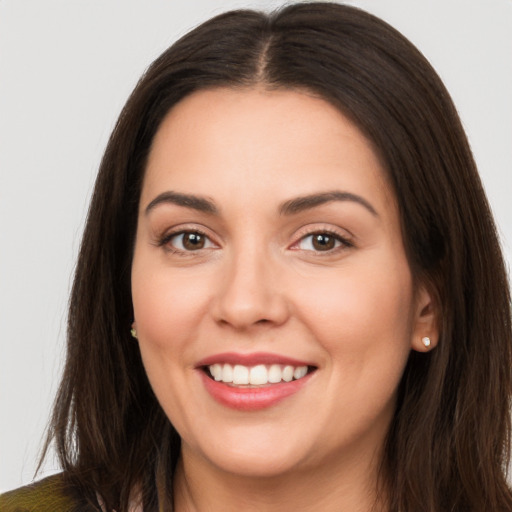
[52, 494]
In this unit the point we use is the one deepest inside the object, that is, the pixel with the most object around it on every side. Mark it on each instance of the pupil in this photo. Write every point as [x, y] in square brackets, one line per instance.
[193, 241]
[323, 242]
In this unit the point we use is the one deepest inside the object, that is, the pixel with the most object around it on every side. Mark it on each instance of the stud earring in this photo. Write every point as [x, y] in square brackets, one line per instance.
[426, 341]
[133, 332]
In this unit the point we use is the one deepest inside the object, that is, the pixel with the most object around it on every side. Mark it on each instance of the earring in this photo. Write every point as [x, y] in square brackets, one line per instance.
[426, 341]
[133, 332]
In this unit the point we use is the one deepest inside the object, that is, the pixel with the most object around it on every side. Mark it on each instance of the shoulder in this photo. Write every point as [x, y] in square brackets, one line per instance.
[53, 494]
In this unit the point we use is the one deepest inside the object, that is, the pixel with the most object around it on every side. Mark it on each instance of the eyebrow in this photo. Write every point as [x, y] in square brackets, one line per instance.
[311, 201]
[291, 207]
[198, 203]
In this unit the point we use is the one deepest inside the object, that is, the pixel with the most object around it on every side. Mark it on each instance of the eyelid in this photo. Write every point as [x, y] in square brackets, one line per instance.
[346, 238]
[162, 240]
[342, 235]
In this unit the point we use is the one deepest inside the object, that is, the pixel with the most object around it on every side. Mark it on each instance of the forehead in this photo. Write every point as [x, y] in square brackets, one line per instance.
[276, 143]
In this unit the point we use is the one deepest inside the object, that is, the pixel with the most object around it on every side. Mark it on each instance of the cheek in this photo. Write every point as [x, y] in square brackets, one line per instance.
[167, 310]
[167, 305]
[362, 312]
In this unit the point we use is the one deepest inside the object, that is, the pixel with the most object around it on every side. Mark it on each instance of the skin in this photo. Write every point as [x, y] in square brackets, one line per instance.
[259, 285]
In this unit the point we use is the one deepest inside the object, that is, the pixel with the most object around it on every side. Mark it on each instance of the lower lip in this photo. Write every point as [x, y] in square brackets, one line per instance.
[252, 399]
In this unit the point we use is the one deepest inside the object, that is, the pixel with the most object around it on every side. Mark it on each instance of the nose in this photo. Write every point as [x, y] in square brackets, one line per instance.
[249, 293]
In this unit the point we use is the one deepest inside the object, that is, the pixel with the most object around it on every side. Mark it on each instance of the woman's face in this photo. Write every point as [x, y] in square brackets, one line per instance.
[269, 251]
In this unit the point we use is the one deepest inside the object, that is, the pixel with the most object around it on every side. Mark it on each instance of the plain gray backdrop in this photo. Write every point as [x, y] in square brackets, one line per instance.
[66, 69]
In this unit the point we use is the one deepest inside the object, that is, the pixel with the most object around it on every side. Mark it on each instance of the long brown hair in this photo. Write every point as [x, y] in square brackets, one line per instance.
[448, 444]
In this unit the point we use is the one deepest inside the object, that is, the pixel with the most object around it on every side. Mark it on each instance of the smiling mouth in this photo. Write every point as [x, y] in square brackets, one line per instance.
[259, 375]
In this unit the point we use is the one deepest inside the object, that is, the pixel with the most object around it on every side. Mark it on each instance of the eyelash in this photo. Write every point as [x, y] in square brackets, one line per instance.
[165, 240]
[342, 242]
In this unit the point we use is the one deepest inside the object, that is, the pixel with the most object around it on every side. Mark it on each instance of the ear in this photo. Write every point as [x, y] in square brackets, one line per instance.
[425, 327]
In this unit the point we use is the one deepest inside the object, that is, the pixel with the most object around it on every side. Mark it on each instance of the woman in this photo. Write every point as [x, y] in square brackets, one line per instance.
[290, 292]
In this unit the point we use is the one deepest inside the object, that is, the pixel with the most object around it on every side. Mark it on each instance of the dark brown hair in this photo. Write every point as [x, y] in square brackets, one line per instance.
[448, 444]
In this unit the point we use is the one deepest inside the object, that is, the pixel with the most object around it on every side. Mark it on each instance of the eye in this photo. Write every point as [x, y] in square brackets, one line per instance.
[187, 241]
[321, 242]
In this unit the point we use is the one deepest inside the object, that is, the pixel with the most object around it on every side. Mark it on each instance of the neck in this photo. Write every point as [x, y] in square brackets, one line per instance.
[332, 487]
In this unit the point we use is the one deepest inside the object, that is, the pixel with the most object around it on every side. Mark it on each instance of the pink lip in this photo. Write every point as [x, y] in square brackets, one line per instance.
[250, 359]
[251, 399]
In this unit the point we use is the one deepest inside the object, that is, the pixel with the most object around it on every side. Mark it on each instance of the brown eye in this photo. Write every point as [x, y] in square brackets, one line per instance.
[188, 241]
[193, 241]
[323, 242]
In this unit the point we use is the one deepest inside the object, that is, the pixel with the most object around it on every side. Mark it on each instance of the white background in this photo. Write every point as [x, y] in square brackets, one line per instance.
[66, 68]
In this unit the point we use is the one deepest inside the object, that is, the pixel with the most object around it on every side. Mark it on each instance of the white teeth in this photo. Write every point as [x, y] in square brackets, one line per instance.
[288, 373]
[227, 373]
[240, 374]
[256, 375]
[300, 372]
[274, 374]
[216, 371]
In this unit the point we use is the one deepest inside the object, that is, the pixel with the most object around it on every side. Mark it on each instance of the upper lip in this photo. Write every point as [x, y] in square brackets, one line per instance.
[252, 359]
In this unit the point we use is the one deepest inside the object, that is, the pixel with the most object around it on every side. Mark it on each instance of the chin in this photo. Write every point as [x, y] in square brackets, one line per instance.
[257, 465]
[253, 456]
